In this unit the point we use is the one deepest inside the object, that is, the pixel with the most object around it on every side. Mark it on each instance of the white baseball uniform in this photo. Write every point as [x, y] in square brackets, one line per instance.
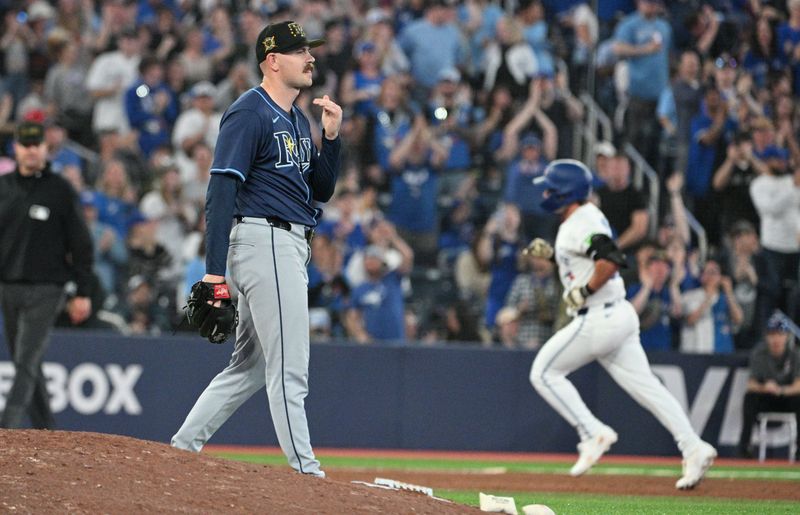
[605, 329]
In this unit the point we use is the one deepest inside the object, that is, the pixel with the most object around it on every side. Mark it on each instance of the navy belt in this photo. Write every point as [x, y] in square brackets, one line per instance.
[281, 224]
[585, 310]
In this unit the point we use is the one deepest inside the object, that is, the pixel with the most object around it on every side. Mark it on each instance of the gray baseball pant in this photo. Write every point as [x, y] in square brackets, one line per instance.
[268, 270]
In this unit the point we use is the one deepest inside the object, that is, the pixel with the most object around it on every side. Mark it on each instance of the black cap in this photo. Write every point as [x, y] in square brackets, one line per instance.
[29, 133]
[282, 37]
[742, 227]
[129, 32]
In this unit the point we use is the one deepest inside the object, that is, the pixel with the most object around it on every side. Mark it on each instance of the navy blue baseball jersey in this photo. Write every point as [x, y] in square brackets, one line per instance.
[280, 173]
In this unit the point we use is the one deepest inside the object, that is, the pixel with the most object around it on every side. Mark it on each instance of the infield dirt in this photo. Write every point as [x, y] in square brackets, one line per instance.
[72, 472]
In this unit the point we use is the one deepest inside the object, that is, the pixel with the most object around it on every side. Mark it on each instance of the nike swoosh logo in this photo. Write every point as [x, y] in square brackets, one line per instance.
[275, 119]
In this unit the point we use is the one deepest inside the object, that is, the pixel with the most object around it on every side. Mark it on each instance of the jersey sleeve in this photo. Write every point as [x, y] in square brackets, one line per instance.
[595, 225]
[325, 168]
[240, 134]
[220, 203]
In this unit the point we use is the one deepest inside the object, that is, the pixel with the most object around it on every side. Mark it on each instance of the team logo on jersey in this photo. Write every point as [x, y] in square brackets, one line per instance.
[415, 179]
[291, 153]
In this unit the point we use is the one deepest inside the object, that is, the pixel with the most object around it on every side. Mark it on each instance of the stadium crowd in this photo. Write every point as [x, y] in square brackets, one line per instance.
[451, 109]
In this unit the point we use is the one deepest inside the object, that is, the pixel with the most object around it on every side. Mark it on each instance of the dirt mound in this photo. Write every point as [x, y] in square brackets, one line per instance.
[70, 472]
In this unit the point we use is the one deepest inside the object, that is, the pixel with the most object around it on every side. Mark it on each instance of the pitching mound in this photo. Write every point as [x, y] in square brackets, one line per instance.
[70, 472]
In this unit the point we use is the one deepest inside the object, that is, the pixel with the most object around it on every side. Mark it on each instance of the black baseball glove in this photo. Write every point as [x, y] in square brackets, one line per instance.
[214, 323]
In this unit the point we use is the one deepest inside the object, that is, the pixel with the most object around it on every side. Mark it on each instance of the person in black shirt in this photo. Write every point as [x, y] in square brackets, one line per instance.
[732, 181]
[44, 243]
[774, 383]
[624, 206]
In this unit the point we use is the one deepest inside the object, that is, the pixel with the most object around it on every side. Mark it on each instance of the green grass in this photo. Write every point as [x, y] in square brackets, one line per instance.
[574, 503]
[565, 504]
[777, 472]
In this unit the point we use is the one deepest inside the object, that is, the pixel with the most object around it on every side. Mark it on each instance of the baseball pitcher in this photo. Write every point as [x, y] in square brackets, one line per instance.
[265, 178]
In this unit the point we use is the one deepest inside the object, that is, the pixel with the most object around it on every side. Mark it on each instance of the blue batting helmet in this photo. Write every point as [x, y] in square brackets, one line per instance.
[565, 181]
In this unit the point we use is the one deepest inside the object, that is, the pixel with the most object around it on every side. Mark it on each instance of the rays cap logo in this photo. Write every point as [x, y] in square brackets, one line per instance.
[283, 37]
[29, 133]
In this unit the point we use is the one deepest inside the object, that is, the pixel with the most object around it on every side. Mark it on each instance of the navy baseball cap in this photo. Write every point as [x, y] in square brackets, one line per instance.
[282, 37]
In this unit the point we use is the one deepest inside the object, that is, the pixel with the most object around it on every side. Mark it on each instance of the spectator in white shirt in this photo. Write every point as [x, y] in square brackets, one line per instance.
[110, 75]
[776, 197]
[166, 204]
[712, 314]
[198, 124]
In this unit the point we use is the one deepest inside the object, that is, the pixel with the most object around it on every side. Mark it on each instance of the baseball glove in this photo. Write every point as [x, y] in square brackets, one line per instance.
[539, 248]
[214, 323]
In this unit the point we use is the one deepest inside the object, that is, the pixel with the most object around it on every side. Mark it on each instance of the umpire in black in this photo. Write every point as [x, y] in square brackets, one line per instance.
[44, 243]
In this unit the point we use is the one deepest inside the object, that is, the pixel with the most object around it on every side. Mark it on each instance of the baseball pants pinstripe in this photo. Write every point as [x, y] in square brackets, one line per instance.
[609, 335]
[268, 270]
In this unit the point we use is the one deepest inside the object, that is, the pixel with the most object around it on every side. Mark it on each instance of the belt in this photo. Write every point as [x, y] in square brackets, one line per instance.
[585, 310]
[281, 224]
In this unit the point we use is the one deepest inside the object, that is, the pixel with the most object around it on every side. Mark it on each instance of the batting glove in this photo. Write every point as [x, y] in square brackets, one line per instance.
[575, 297]
[539, 248]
